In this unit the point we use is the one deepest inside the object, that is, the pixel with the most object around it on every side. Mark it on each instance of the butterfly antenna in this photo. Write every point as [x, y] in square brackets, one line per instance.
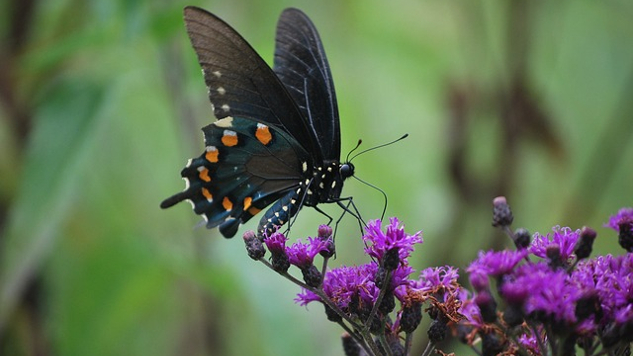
[353, 149]
[384, 195]
[375, 147]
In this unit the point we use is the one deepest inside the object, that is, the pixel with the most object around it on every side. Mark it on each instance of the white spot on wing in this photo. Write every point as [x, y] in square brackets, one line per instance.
[217, 74]
[221, 91]
[230, 133]
[226, 122]
[226, 107]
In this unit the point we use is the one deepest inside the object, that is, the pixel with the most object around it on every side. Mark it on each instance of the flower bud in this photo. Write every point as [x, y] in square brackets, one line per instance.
[350, 346]
[411, 317]
[254, 246]
[585, 243]
[501, 213]
[522, 238]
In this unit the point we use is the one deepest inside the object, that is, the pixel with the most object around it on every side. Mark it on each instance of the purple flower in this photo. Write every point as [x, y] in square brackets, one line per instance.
[343, 283]
[479, 280]
[438, 282]
[625, 215]
[563, 238]
[496, 263]
[302, 255]
[470, 310]
[612, 278]
[530, 343]
[549, 295]
[623, 224]
[306, 297]
[400, 281]
[553, 298]
[437, 278]
[276, 243]
[515, 293]
[625, 315]
[380, 242]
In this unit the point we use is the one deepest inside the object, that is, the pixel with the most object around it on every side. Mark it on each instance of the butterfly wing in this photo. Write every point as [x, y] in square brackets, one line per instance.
[301, 65]
[245, 167]
[239, 82]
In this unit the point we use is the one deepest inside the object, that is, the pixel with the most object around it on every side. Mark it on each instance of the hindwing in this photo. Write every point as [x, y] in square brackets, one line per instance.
[245, 167]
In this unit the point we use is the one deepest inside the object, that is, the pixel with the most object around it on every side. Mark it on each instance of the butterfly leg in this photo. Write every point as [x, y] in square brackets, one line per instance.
[346, 209]
[324, 214]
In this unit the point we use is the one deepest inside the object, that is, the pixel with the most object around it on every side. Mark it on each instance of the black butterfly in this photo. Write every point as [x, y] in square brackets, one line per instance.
[277, 137]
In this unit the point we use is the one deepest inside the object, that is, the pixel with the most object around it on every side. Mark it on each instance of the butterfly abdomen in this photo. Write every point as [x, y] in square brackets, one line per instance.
[280, 213]
[321, 184]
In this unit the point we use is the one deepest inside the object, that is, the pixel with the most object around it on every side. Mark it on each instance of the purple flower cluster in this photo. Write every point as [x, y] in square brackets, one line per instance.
[547, 297]
[366, 294]
[360, 284]
[610, 278]
[552, 294]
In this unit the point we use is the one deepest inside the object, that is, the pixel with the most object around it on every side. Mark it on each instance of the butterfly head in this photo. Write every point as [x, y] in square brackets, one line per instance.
[346, 170]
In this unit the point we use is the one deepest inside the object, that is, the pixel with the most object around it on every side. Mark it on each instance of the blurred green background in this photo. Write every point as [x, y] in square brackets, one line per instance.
[101, 104]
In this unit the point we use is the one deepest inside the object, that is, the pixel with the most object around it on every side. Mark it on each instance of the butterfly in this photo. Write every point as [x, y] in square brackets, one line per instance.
[277, 138]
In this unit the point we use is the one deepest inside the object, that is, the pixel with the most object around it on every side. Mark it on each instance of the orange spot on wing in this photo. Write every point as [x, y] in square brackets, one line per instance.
[229, 138]
[247, 202]
[207, 194]
[227, 204]
[204, 175]
[263, 134]
[253, 210]
[212, 154]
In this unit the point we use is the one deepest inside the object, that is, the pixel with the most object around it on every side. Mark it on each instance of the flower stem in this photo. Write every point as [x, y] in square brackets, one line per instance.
[383, 291]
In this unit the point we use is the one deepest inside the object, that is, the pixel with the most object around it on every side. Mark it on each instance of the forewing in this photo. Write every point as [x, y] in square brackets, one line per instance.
[240, 83]
[301, 65]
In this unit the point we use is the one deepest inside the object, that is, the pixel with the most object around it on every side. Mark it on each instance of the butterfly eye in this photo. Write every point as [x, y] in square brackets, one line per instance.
[346, 170]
